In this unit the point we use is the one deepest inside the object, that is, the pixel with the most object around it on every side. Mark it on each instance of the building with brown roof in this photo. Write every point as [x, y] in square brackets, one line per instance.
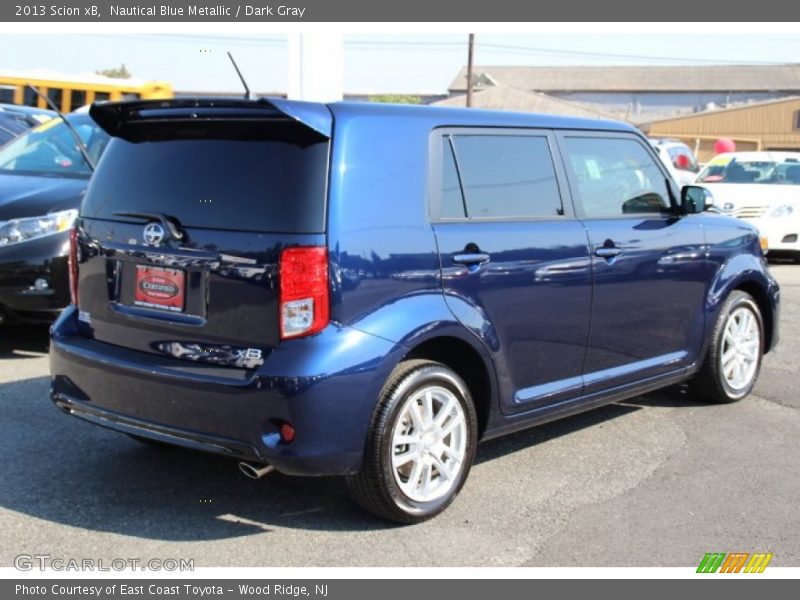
[771, 125]
[644, 92]
[511, 99]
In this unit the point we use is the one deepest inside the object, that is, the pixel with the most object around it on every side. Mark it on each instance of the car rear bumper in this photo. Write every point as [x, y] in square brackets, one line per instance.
[21, 265]
[326, 386]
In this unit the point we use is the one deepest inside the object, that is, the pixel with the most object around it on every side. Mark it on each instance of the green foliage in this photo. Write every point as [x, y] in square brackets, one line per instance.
[395, 99]
[120, 72]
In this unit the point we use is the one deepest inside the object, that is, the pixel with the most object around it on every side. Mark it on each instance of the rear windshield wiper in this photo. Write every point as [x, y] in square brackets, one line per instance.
[169, 223]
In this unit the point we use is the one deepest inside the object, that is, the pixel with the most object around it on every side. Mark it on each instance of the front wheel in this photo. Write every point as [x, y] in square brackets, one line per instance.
[734, 356]
[421, 444]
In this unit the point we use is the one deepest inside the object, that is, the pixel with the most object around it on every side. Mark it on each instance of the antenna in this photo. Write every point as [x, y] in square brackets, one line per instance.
[247, 94]
[81, 146]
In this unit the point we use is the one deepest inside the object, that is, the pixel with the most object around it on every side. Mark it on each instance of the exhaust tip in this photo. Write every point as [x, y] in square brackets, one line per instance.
[255, 471]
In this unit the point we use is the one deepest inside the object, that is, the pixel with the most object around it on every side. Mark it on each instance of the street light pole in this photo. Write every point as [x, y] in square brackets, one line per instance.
[469, 69]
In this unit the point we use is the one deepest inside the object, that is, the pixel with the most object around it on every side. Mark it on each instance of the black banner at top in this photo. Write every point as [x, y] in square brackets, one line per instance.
[450, 11]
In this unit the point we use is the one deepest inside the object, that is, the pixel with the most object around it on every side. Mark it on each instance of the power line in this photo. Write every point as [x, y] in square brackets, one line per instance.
[514, 49]
[615, 55]
[439, 46]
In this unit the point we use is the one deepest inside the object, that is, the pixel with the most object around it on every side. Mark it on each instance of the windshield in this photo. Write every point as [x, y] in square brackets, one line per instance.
[785, 172]
[50, 149]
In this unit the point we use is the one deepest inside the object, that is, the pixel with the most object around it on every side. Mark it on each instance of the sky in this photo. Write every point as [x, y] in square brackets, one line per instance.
[375, 63]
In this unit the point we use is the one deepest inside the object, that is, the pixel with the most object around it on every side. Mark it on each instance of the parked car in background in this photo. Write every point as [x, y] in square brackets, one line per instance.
[762, 188]
[43, 177]
[678, 158]
[15, 120]
[374, 298]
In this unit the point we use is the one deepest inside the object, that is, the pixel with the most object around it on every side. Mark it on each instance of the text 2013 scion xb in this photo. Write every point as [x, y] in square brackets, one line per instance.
[369, 290]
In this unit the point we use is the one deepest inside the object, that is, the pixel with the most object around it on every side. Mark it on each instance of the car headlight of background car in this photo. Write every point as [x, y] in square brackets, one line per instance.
[22, 230]
[782, 211]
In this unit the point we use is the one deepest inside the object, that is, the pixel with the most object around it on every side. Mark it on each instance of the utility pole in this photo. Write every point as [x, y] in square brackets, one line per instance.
[469, 69]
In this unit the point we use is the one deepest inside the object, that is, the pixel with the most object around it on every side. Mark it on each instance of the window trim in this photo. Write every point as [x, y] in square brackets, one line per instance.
[674, 194]
[435, 175]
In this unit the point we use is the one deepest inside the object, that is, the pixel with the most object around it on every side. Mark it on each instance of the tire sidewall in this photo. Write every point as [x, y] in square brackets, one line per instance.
[736, 302]
[426, 376]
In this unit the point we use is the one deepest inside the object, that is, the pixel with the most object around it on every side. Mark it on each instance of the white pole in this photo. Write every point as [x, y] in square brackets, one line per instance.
[316, 67]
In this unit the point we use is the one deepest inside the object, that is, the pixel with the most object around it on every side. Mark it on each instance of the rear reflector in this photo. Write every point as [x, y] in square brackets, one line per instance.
[304, 291]
[287, 433]
[72, 263]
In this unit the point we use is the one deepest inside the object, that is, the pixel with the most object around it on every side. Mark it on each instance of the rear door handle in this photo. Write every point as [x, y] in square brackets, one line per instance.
[607, 252]
[469, 259]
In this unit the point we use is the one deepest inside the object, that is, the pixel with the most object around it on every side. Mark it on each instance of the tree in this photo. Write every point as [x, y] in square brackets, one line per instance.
[396, 99]
[120, 72]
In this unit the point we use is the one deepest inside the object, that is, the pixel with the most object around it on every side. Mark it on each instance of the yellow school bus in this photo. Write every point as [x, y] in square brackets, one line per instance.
[71, 92]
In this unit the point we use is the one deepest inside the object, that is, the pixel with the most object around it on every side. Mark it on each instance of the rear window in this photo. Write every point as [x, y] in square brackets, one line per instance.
[251, 176]
[501, 176]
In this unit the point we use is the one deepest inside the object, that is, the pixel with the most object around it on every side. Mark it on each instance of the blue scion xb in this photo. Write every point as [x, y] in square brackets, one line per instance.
[369, 290]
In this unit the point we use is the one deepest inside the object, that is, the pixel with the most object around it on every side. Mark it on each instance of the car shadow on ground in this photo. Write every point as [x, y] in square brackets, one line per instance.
[22, 341]
[60, 469]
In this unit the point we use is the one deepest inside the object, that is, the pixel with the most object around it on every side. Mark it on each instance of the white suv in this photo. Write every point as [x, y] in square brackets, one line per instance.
[678, 158]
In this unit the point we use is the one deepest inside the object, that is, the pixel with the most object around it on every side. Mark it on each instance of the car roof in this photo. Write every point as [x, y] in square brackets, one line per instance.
[470, 117]
[769, 155]
[26, 110]
[667, 142]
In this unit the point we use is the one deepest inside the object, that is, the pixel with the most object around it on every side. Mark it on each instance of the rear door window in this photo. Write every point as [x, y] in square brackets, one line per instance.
[262, 176]
[683, 159]
[500, 177]
[614, 177]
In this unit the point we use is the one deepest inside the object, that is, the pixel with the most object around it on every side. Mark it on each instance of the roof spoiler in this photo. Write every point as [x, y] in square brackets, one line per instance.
[115, 117]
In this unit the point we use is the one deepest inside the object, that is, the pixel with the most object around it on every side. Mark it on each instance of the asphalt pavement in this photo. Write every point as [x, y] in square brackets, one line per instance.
[655, 481]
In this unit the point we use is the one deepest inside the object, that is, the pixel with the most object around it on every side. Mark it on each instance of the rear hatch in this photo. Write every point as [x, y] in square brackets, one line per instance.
[184, 222]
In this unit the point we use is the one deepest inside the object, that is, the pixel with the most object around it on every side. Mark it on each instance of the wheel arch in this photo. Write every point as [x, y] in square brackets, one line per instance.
[760, 295]
[747, 273]
[468, 363]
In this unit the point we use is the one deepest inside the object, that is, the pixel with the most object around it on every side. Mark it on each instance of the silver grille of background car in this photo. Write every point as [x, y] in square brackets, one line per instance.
[750, 212]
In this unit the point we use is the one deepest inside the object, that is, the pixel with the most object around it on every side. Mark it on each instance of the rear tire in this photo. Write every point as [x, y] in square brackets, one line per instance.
[732, 364]
[420, 446]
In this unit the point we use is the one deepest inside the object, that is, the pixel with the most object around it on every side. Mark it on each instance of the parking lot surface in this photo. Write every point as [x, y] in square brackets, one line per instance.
[655, 481]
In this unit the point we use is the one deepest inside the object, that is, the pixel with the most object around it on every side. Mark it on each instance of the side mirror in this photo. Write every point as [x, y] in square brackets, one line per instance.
[695, 199]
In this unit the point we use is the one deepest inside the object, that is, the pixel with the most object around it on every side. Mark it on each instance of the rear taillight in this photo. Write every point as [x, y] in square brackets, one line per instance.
[72, 263]
[304, 296]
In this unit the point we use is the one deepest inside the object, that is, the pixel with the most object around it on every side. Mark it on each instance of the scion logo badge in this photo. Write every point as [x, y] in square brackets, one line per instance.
[735, 562]
[153, 234]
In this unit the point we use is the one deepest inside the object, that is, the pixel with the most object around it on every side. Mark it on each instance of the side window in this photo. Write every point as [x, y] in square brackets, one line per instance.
[55, 95]
[78, 99]
[29, 97]
[682, 160]
[7, 94]
[507, 176]
[614, 177]
[452, 202]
